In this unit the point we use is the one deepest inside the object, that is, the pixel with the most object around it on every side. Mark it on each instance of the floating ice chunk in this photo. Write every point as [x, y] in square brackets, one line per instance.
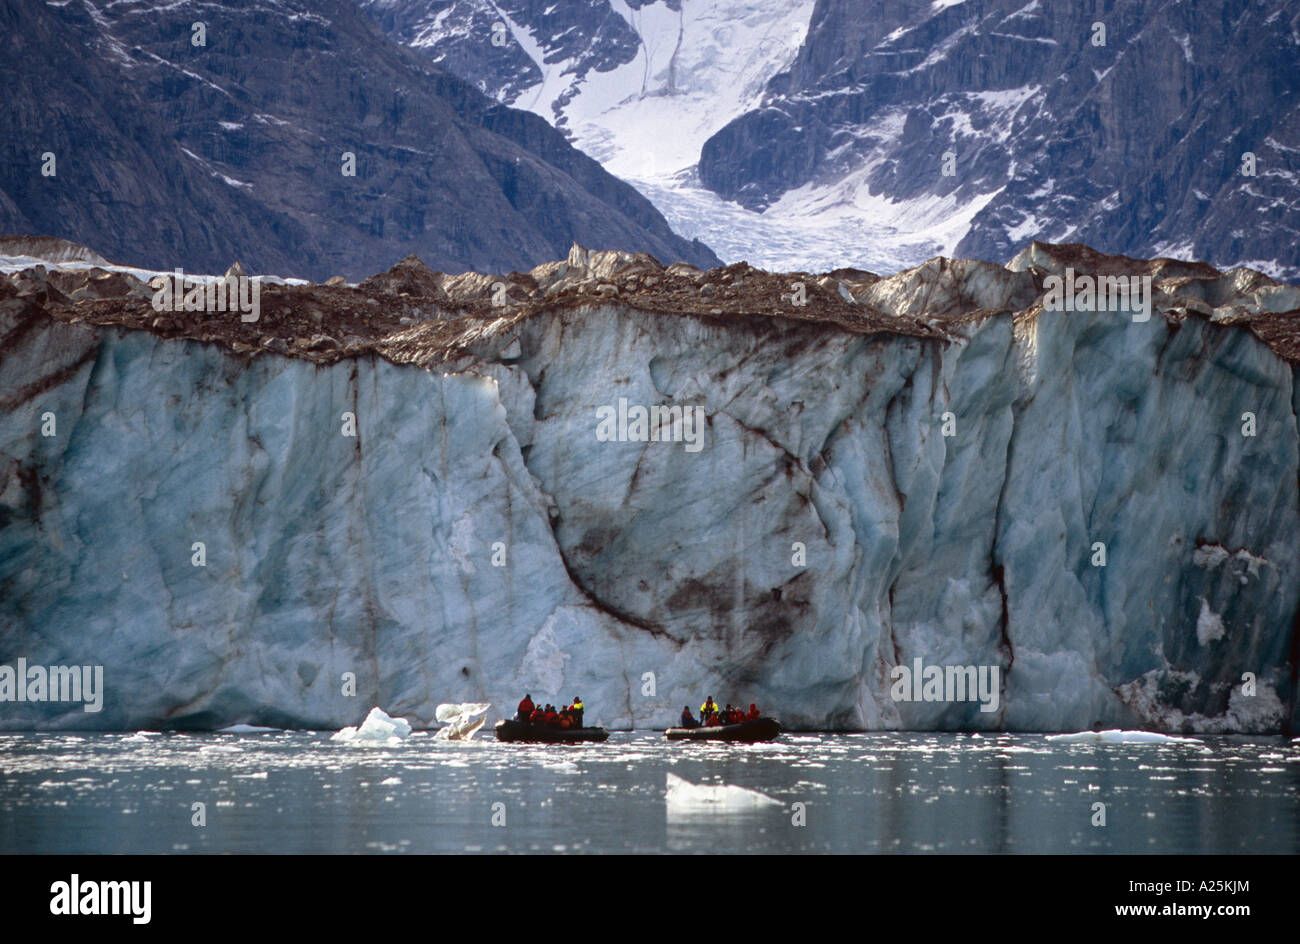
[378, 728]
[245, 729]
[687, 798]
[460, 720]
[1119, 737]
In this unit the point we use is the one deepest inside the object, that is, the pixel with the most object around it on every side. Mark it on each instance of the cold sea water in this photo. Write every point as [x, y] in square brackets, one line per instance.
[299, 792]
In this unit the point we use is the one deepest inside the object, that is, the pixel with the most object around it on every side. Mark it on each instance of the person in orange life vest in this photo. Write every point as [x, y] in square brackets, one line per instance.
[525, 708]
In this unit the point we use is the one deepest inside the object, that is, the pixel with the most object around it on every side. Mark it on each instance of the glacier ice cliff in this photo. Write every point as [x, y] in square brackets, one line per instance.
[930, 465]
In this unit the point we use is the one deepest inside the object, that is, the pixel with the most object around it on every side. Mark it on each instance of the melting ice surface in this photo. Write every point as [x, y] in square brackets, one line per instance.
[882, 792]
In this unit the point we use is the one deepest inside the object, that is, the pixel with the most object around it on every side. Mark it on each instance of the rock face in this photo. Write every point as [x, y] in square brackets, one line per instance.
[921, 466]
[129, 130]
[1124, 124]
[484, 40]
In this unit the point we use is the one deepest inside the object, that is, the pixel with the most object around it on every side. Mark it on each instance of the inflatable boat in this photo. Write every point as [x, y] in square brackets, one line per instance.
[519, 732]
[760, 729]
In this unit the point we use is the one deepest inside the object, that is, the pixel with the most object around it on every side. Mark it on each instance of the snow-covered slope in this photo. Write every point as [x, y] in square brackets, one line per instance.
[642, 93]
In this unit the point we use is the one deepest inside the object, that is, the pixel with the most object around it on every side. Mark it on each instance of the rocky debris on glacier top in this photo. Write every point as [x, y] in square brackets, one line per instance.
[413, 314]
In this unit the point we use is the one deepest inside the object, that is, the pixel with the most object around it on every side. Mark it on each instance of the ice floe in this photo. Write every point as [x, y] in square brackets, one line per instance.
[461, 720]
[378, 728]
[685, 797]
[1120, 737]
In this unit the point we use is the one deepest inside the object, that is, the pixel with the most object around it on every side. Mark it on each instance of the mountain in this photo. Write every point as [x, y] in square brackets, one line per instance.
[169, 153]
[640, 86]
[1135, 146]
[447, 491]
[811, 136]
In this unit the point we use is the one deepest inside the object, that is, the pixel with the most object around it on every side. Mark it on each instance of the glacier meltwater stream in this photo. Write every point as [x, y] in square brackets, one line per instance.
[298, 792]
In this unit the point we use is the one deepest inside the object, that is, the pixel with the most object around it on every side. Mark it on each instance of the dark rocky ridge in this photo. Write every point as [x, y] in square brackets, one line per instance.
[174, 155]
[413, 314]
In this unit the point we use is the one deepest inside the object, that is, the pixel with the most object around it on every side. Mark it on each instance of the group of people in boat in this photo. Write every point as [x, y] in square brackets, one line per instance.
[548, 716]
[711, 715]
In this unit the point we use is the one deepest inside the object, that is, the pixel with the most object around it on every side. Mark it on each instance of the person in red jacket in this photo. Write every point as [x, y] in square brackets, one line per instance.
[551, 717]
[525, 708]
[538, 716]
[753, 713]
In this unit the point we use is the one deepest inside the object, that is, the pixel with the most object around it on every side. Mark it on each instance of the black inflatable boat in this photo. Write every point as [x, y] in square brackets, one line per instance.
[519, 732]
[760, 729]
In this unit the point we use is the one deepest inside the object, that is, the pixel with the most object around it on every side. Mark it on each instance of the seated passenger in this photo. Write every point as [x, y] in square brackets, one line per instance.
[688, 719]
[753, 713]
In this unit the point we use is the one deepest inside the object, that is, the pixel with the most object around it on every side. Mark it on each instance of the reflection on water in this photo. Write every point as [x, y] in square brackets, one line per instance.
[298, 792]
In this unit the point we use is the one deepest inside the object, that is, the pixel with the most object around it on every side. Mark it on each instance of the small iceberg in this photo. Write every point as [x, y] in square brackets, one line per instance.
[461, 721]
[1119, 737]
[686, 798]
[378, 728]
[562, 767]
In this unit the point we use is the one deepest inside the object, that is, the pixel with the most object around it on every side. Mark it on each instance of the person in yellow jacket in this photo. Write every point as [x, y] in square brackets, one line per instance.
[575, 711]
[708, 710]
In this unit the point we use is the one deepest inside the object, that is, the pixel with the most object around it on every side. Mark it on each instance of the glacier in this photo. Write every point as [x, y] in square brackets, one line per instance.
[923, 465]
